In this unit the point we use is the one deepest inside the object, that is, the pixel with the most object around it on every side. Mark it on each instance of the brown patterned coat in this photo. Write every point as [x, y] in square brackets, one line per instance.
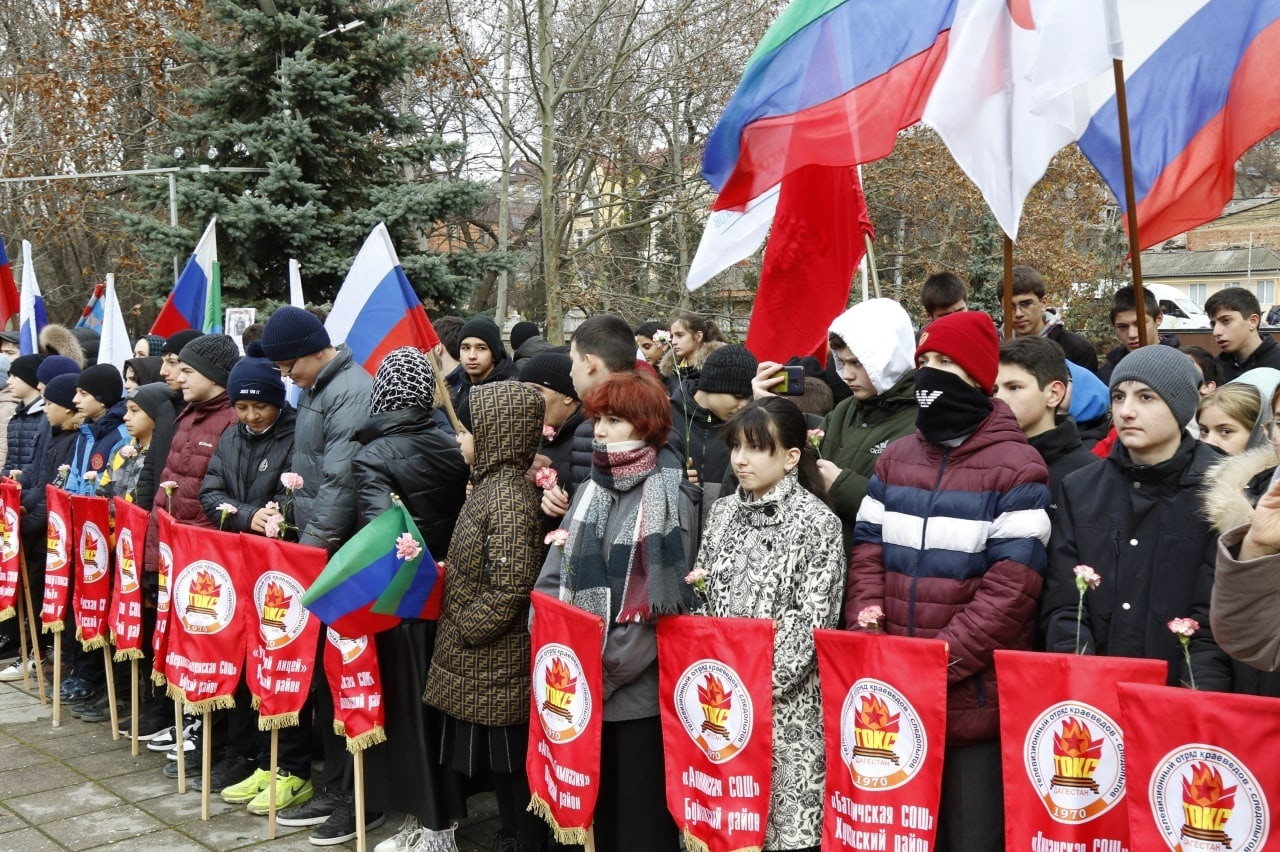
[480, 668]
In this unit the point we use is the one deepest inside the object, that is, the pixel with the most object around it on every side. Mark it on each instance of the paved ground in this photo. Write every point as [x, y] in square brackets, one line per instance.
[74, 788]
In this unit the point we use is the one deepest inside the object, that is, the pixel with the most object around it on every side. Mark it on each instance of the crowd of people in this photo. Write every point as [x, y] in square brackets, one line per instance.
[952, 480]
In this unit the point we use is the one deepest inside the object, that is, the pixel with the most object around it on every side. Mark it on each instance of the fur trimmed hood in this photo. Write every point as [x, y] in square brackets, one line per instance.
[59, 340]
[1225, 500]
[668, 363]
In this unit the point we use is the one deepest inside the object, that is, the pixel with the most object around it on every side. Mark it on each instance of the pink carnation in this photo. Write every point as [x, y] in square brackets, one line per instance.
[90, 475]
[167, 485]
[697, 575]
[291, 481]
[1086, 577]
[407, 547]
[1184, 627]
[545, 478]
[15, 474]
[548, 431]
[128, 451]
[272, 506]
[227, 508]
[870, 617]
[556, 537]
[272, 526]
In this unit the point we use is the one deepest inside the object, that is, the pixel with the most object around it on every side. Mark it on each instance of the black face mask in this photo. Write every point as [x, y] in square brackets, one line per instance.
[950, 407]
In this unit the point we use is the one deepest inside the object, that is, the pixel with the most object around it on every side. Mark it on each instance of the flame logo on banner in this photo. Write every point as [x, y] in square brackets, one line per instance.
[561, 697]
[281, 616]
[1074, 756]
[1205, 798]
[882, 738]
[204, 597]
[715, 709]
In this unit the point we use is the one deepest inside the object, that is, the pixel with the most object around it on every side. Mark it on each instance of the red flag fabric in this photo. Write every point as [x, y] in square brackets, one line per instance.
[1200, 769]
[10, 546]
[57, 565]
[10, 304]
[884, 701]
[814, 248]
[164, 581]
[126, 594]
[563, 760]
[207, 616]
[282, 634]
[1063, 748]
[91, 592]
[351, 667]
[715, 696]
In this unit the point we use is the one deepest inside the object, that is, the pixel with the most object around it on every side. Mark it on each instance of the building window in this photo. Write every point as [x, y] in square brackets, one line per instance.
[1198, 293]
[1266, 292]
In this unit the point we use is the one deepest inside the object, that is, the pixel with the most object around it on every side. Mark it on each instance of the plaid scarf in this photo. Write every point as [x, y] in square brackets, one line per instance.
[641, 573]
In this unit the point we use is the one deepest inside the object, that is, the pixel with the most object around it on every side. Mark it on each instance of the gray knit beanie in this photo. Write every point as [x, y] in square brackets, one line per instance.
[1166, 371]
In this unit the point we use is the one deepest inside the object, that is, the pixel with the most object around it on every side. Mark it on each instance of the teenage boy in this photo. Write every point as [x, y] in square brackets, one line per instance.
[943, 293]
[1236, 317]
[447, 329]
[723, 388]
[1032, 317]
[23, 439]
[549, 373]
[950, 543]
[1126, 322]
[1034, 381]
[484, 359]
[333, 403]
[1136, 520]
[100, 398]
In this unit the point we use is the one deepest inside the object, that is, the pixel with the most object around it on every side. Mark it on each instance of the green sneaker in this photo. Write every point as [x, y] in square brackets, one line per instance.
[246, 790]
[290, 791]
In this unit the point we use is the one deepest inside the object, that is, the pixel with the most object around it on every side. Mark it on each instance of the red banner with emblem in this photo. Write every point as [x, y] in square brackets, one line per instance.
[566, 710]
[208, 608]
[884, 715]
[351, 668]
[715, 695]
[1063, 748]
[282, 634]
[164, 580]
[1200, 768]
[57, 564]
[91, 592]
[126, 594]
[10, 546]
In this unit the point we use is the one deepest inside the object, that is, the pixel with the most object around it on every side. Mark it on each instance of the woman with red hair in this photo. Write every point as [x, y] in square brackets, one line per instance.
[631, 540]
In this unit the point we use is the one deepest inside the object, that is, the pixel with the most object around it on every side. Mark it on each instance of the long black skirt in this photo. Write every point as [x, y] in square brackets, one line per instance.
[405, 774]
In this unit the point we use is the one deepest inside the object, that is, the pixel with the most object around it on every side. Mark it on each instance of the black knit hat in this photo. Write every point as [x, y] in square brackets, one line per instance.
[155, 344]
[292, 333]
[56, 365]
[24, 367]
[551, 370]
[212, 355]
[405, 379]
[256, 380]
[151, 398]
[522, 331]
[62, 390]
[485, 329]
[174, 343]
[102, 382]
[730, 370]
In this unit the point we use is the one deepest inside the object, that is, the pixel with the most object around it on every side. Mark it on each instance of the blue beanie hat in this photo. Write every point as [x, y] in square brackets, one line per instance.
[56, 365]
[1090, 398]
[255, 380]
[61, 390]
[292, 333]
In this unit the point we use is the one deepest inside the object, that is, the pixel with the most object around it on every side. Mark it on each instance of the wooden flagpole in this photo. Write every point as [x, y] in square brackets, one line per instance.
[111, 692]
[206, 765]
[57, 680]
[1130, 201]
[871, 265]
[133, 705]
[22, 643]
[271, 796]
[182, 752]
[33, 624]
[361, 838]
[1006, 294]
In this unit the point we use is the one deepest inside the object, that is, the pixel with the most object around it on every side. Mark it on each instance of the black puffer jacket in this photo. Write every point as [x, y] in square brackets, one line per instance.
[1142, 529]
[245, 471]
[24, 434]
[560, 449]
[404, 452]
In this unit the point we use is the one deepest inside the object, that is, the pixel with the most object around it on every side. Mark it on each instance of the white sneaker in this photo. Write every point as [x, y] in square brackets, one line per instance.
[402, 840]
[14, 671]
[427, 840]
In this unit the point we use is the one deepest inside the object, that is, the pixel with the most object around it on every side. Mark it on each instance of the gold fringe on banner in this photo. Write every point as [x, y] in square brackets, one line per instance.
[566, 836]
[52, 626]
[218, 702]
[8, 613]
[280, 720]
[368, 738]
[693, 844]
[125, 654]
[159, 679]
[93, 644]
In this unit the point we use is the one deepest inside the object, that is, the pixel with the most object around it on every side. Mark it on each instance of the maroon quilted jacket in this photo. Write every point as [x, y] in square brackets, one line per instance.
[951, 543]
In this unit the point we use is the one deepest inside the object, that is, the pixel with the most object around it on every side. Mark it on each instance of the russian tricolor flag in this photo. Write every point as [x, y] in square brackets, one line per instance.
[33, 317]
[376, 309]
[196, 300]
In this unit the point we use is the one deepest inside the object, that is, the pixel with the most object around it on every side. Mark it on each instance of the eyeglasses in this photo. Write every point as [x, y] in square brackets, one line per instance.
[284, 368]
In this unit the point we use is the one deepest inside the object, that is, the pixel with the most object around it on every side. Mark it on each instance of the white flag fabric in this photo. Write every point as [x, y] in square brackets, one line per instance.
[1013, 90]
[731, 236]
[295, 284]
[31, 313]
[115, 347]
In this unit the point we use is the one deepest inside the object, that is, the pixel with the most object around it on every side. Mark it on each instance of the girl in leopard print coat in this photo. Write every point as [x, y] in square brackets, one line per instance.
[773, 550]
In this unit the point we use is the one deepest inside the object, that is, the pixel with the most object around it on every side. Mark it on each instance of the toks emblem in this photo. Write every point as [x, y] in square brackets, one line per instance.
[714, 708]
[882, 739]
[560, 694]
[1204, 798]
[1074, 757]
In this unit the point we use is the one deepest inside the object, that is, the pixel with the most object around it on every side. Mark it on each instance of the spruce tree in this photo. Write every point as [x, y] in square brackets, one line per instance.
[304, 90]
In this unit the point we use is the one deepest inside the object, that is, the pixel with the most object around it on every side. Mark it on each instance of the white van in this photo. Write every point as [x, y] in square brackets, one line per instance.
[1179, 311]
